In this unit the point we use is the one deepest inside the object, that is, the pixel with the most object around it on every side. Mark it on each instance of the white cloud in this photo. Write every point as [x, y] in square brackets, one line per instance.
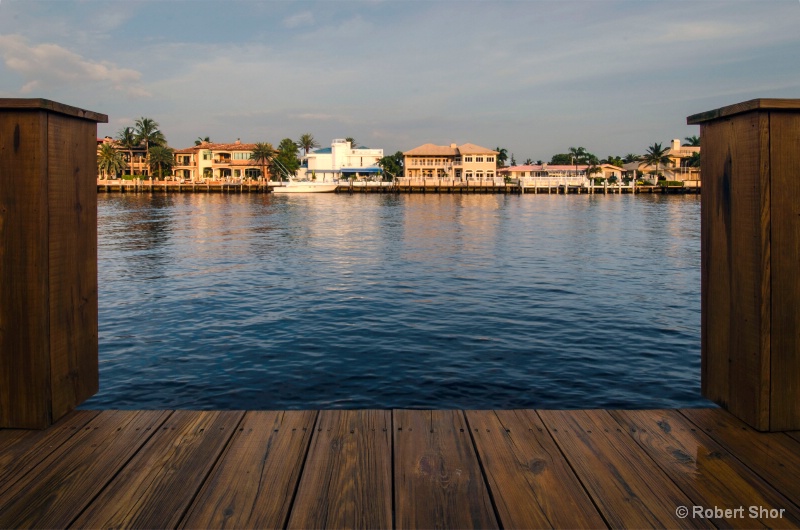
[46, 66]
[304, 18]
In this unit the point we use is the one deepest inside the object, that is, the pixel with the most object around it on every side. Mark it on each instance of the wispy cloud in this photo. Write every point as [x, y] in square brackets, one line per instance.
[47, 66]
[304, 18]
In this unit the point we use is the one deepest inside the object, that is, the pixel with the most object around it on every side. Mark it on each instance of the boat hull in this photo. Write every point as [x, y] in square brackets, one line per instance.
[306, 187]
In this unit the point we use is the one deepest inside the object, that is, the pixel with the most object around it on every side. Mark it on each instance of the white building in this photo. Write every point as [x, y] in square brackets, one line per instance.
[340, 160]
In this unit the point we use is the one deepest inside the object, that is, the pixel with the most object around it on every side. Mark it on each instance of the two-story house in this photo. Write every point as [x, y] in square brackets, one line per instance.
[216, 161]
[464, 162]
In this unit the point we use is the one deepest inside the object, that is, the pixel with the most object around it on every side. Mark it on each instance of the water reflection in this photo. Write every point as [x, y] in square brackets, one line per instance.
[469, 301]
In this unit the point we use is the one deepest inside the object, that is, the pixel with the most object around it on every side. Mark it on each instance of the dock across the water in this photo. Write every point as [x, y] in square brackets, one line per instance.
[399, 469]
[399, 186]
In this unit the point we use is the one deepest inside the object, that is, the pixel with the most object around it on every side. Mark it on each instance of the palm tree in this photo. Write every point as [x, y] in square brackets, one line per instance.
[127, 140]
[147, 133]
[160, 157]
[693, 160]
[656, 156]
[630, 157]
[307, 142]
[692, 141]
[502, 156]
[109, 160]
[352, 141]
[201, 140]
[262, 154]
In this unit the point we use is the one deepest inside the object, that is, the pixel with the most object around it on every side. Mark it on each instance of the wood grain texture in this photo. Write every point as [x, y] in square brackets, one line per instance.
[347, 479]
[156, 487]
[438, 480]
[785, 268]
[773, 456]
[57, 490]
[704, 470]
[72, 206]
[24, 326]
[21, 451]
[735, 289]
[628, 488]
[253, 484]
[531, 483]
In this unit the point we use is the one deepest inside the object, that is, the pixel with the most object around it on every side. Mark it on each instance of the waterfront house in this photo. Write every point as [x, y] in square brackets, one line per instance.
[340, 160]
[135, 158]
[677, 170]
[546, 174]
[464, 162]
[216, 161]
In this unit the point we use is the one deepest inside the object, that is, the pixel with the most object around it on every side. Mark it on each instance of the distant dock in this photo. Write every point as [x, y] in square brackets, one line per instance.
[400, 186]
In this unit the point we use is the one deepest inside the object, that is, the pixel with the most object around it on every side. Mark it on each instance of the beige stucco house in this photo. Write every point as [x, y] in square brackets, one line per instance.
[464, 162]
[216, 161]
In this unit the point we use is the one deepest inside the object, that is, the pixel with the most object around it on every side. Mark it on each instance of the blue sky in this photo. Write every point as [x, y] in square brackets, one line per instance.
[533, 76]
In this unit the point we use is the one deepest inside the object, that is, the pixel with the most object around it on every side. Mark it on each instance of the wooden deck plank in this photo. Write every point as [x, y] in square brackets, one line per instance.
[22, 450]
[531, 482]
[625, 484]
[704, 470]
[54, 493]
[253, 484]
[156, 487]
[347, 479]
[438, 480]
[773, 456]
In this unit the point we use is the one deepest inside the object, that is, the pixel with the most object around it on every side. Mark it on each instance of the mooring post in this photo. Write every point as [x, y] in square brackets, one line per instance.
[48, 260]
[750, 248]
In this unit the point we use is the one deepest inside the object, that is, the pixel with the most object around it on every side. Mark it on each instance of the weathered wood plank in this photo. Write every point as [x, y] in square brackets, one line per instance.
[347, 479]
[54, 106]
[705, 471]
[773, 456]
[155, 488]
[253, 484]
[745, 106]
[72, 206]
[785, 264]
[626, 485]
[21, 450]
[438, 480]
[531, 483]
[54, 493]
[24, 329]
[735, 292]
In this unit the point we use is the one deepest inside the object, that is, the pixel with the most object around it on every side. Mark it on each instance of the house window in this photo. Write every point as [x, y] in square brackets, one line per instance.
[467, 159]
[478, 159]
[479, 174]
[490, 159]
[469, 175]
[206, 155]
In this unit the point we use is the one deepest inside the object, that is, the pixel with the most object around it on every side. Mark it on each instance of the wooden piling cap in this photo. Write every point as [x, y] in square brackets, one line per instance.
[52, 106]
[746, 106]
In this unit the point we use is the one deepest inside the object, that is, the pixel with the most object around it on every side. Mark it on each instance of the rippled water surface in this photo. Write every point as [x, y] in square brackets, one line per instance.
[381, 301]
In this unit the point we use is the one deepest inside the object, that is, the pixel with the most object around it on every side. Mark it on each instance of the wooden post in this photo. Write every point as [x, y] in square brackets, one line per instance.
[48, 260]
[750, 239]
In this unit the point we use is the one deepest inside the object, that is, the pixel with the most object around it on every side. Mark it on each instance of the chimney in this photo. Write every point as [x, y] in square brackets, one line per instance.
[676, 144]
[453, 146]
[238, 141]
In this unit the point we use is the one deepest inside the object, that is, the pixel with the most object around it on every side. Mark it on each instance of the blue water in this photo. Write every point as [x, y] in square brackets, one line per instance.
[407, 301]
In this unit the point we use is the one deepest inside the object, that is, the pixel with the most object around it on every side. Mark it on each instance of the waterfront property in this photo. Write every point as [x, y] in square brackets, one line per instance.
[464, 162]
[677, 170]
[340, 161]
[217, 162]
[401, 468]
[134, 157]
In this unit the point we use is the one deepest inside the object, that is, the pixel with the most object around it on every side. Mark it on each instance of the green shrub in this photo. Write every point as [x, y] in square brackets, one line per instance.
[670, 183]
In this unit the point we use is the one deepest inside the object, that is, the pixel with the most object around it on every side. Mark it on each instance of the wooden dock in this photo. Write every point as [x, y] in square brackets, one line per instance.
[399, 469]
[427, 186]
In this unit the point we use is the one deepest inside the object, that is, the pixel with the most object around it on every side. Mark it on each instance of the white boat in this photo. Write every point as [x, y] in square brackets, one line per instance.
[305, 186]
